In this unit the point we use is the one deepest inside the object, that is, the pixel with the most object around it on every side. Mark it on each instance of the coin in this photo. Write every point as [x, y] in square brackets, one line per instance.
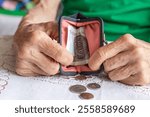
[81, 77]
[93, 86]
[77, 88]
[86, 96]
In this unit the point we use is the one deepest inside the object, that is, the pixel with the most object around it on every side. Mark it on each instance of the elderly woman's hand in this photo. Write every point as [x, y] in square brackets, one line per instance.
[37, 50]
[126, 60]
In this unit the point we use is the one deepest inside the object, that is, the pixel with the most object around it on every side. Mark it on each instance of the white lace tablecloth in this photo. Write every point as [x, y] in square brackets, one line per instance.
[13, 86]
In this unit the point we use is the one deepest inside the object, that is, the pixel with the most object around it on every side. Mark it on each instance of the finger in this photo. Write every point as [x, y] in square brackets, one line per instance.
[21, 64]
[46, 64]
[117, 61]
[124, 43]
[25, 72]
[137, 79]
[52, 49]
[124, 72]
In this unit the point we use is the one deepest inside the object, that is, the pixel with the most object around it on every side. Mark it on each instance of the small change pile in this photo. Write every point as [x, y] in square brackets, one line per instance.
[81, 90]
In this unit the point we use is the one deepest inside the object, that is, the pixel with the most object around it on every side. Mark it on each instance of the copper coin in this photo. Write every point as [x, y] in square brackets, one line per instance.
[80, 77]
[86, 96]
[93, 86]
[77, 88]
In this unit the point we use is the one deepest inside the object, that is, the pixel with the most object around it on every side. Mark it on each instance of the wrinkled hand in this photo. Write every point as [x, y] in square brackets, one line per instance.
[126, 60]
[37, 50]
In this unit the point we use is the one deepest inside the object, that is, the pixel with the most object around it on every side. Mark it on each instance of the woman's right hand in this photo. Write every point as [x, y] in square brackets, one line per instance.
[37, 50]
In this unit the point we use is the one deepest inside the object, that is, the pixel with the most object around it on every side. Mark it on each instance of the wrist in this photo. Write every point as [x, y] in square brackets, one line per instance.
[45, 11]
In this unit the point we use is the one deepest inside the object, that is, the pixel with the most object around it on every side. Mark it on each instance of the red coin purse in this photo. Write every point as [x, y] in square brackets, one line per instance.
[81, 36]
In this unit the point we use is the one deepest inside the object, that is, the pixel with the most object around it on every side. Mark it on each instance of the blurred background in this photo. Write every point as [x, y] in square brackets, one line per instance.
[11, 12]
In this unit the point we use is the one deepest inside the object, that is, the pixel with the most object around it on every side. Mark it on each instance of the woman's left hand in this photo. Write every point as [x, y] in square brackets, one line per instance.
[126, 60]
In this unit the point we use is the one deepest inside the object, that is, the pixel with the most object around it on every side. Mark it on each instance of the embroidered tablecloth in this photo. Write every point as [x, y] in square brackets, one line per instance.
[13, 86]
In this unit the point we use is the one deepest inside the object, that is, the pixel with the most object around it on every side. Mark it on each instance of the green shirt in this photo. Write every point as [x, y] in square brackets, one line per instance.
[120, 16]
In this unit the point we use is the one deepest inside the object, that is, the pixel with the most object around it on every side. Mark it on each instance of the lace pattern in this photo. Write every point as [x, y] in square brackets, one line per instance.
[7, 65]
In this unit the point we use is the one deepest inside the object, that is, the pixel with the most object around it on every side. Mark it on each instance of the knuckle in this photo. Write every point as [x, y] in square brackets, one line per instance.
[23, 54]
[128, 38]
[35, 36]
[100, 54]
[30, 28]
[106, 66]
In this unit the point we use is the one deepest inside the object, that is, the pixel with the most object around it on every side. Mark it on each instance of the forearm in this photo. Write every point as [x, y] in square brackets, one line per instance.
[45, 11]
